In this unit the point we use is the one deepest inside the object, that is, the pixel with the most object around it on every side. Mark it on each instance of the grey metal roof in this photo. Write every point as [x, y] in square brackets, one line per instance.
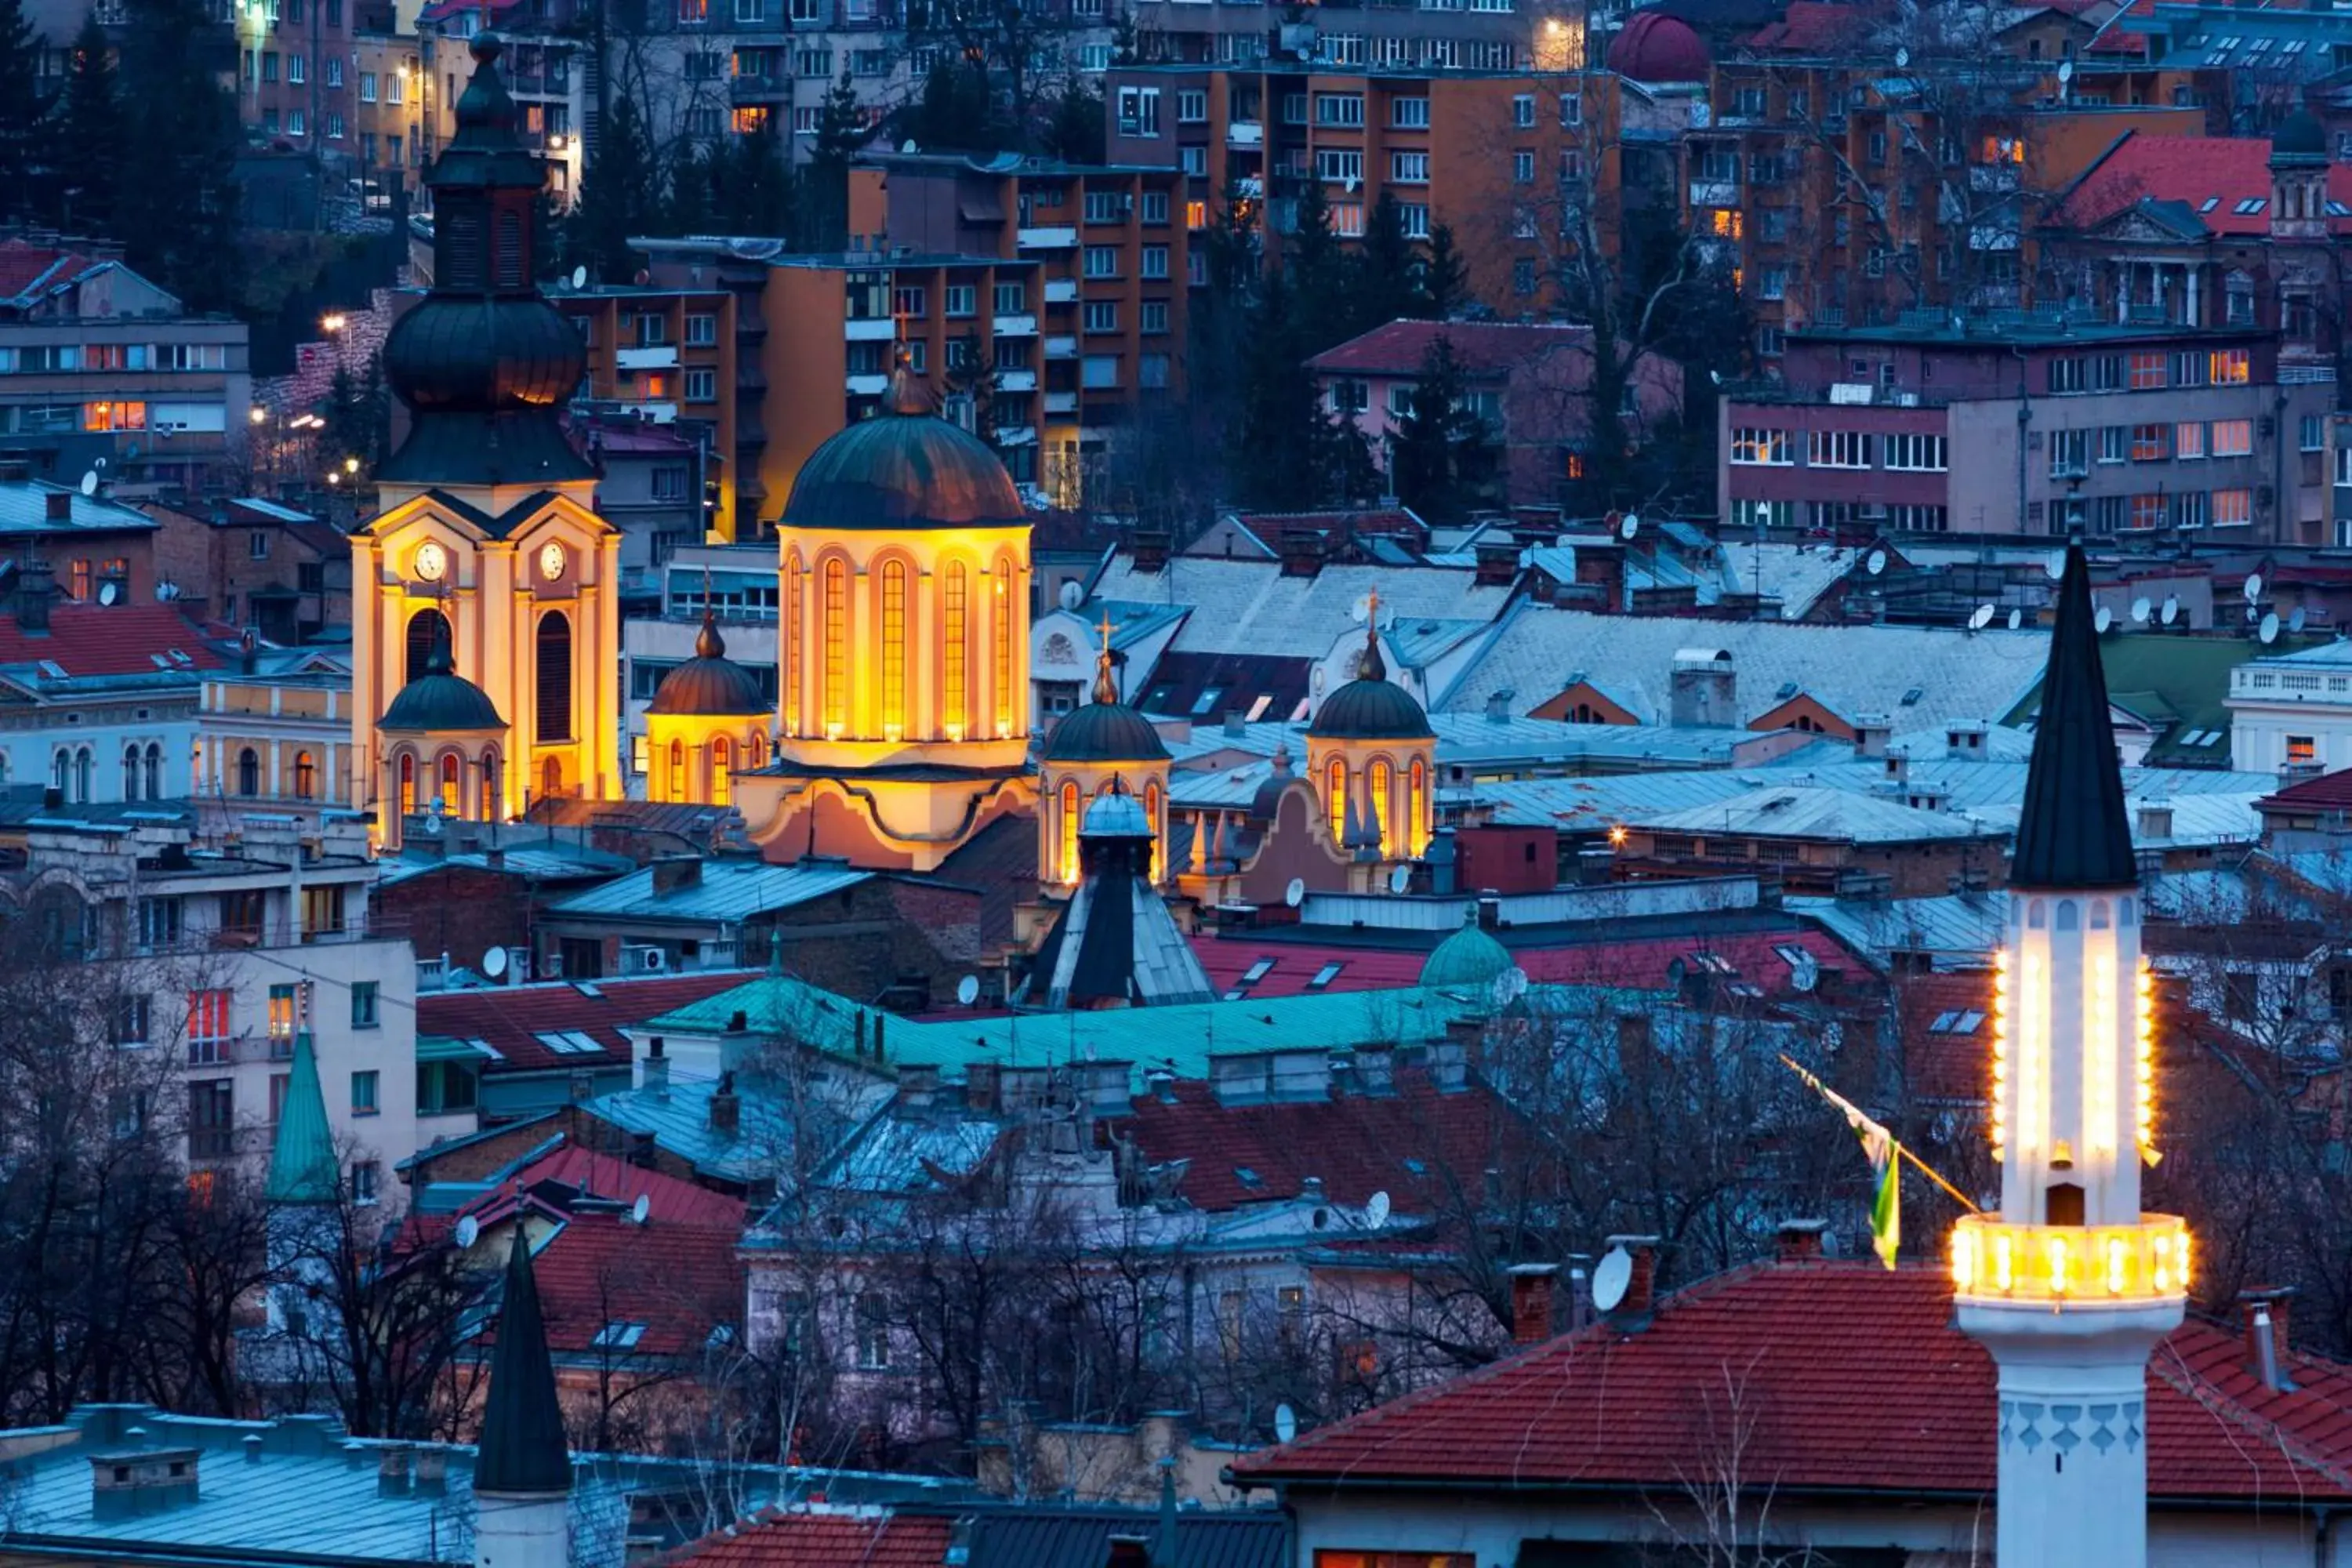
[1051, 1537]
[723, 891]
[24, 508]
[1798, 811]
[1250, 607]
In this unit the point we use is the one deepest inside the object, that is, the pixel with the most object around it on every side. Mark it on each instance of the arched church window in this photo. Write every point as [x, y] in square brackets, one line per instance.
[835, 628]
[306, 776]
[1417, 807]
[894, 648]
[1381, 780]
[1067, 826]
[722, 757]
[154, 770]
[85, 773]
[955, 658]
[422, 628]
[551, 777]
[1151, 809]
[1335, 798]
[756, 749]
[130, 773]
[487, 808]
[449, 776]
[678, 770]
[407, 784]
[554, 677]
[248, 772]
[1003, 647]
[788, 649]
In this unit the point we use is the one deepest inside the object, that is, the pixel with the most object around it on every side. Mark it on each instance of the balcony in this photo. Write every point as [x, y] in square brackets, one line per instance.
[1715, 193]
[868, 330]
[2143, 1264]
[1246, 133]
[1057, 237]
[662, 358]
[867, 385]
[1016, 381]
[1060, 291]
[1061, 403]
[1061, 348]
[1021, 326]
[749, 89]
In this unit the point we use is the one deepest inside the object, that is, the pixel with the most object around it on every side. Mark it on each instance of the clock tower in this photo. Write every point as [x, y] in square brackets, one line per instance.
[487, 593]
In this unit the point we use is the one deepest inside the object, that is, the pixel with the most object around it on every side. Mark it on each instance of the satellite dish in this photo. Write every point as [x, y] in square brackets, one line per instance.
[1376, 1210]
[1286, 1423]
[1294, 894]
[468, 1228]
[968, 990]
[641, 1210]
[1628, 526]
[1610, 1277]
[1980, 618]
[1876, 563]
[2171, 611]
[89, 483]
[493, 963]
[908, 145]
[2294, 622]
[109, 592]
[2055, 565]
[1508, 986]
[1362, 610]
[2065, 72]
[1072, 595]
[1400, 878]
[1805, 974]
[1902, 58]
[2253, 584]
[2140, 608]
[2253, 613]
[579, 278]
[2106, 619]
[2016, 619]
[2268, 631]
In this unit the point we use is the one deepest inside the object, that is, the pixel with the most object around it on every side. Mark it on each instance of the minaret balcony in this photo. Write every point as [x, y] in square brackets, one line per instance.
[2060, 1265]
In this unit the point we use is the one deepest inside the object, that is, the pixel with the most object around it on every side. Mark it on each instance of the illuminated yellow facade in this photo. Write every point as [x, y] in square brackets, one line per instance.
[1103, 745]
[1371, 755]
[707, 723]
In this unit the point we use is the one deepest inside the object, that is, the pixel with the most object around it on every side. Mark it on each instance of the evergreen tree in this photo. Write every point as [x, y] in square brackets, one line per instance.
[1444, 278]
[841, 133]
[619, 197]
[692, 190]
[1440, 458]
[24, 116]
[357, 416]
[1281, 437]
[754, 185]
[1388, 281]
[1075, 129]
[89, 138]
[1318, 274]
[175, 204]
[971, 373]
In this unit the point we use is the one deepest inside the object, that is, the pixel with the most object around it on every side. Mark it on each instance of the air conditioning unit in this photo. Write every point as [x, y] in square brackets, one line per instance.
[643, 959]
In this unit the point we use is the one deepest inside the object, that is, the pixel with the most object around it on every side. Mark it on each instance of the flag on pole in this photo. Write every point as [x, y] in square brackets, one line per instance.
[1886, 1156]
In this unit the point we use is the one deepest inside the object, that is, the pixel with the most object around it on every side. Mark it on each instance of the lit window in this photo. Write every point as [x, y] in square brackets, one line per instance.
[835, 698]
[723, 758]
[955, 656]
[894, 649]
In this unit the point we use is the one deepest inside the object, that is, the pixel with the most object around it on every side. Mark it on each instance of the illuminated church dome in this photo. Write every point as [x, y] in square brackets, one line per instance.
[710, 685]
[905, 468]
[1105, 730]
[1370, 707]
[440, 702]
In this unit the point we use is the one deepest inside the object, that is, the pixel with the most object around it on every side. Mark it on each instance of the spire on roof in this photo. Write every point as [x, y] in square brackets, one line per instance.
[1106, 689]
[907, 394]
[2074, 832]
[707, 643]
[1371, 667]
[302, 1166]
[522, 1448]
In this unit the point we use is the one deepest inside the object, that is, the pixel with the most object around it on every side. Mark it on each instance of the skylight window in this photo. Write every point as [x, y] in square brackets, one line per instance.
[1246, 1176]
[2250, 206]
[1257, 972]
[1206, 704]
[618, 1336]
[2210, 203]
[1911, 698]
[1324, 976]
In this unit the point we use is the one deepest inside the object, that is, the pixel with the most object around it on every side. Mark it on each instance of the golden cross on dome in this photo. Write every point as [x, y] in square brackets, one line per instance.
[1105, 690]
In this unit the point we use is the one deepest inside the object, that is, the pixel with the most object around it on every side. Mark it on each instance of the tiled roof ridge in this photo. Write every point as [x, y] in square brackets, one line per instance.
[2168, 1364]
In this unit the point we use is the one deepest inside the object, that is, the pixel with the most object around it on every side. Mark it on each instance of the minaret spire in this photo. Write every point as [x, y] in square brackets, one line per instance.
[523, 1476]
[2075, 831]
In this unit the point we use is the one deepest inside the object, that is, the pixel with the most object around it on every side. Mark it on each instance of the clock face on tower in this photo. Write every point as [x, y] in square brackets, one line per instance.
[431, 561]
[551, 563]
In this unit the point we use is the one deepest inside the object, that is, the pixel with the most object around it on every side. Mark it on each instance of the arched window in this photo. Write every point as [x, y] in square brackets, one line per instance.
[1002, 651]
[1151, 809]
[788, 647]
[407, 784]
[306, 776]
[1381, 780]
[756, 751]
[449, 771]
[130, 773]
[955, 659]
[554, 677]
[154, 770]
[85, 773]
[248, 772]
[61, 772]
[678, 770]
[1335, 799]
[1068, 828]
[835, 698]
[551, 777]
[894, 649]
[423, 626]
[1416, 807]
[487, 809]
[722, 757]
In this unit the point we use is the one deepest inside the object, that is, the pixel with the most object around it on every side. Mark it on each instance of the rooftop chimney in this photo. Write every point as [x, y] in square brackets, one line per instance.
[672, 872]
[58, 507]
[392, 1472]
[36, 586]
[1799, 1241]
[1148, 548]
[1702, 690]
[726, 1107]
[1632, 1309]
[656, 1070]
[1531, 1297]
[1871, 734]
[1499, 705]
[2156, 822]
[139, 1481]
[2263, 1311]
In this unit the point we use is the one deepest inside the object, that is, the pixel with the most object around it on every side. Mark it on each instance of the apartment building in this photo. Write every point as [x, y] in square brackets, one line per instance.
[546, 68]
[1485, 35]
[389, 114]
[296, 89]
[275, 738]
[1113, 251]
[227, 952]
[254, 562]
[103, 371]
[2030, 422]
[684, 358]
[1509, 162]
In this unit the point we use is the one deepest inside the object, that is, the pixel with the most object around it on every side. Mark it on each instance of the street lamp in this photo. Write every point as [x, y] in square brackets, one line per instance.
[257, 414]
[351, 465]
[332, 321]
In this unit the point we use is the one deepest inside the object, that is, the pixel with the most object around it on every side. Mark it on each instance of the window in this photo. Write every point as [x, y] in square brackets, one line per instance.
[1408, 114]
[211, 1118]
[208, 1030]
[1155, 206]
[367, 87]
[1155, 261]
[961, 299]
[158, 922]
[363, 1092]
[2234, 509]
[1339, 109]
[364, 1173]
[1192, 107]
[2190, 509]
[1102, 261]
[2150, 442]
[132, 1019]
[114, 415]
[290, 1009]
[1139, 112]
[553, 648]
[1012, 299]
[364, 1013]
[1341, 165]
[2070, 453]
[2311, 433]
[2232, 439]
[297, 70]
[834, 698]
[2188, 440]
[1758, 448]
[1102, 315]
[1155, 318]
[2190, 368]
[1838, 449]
[2149, 371]
[2147, 511]
[1918, 519]
[701, 385]
[1763, 513]
[2232, 367]
[2115, 443]
[873, 1332]
[1916, 454]
[701, 330]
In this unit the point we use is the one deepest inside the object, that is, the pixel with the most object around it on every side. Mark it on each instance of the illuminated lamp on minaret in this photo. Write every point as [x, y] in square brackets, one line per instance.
[2069, 1285]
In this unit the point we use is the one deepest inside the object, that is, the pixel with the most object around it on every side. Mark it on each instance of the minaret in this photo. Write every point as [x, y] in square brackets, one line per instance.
[2069, 1285]
[523, 1476]
[300, 1224]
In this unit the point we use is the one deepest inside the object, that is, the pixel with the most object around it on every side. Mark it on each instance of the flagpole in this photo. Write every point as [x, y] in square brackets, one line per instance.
[1901, 1150]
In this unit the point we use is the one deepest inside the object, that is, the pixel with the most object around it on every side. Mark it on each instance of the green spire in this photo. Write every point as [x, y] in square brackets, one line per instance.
[302, 1167]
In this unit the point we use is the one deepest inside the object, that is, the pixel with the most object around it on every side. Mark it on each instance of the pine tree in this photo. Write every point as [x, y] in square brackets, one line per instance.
[1075, 129]
[88, 139]
[176, 202]
[24, 116]
[1388, 277]
[1440, 458]
[691, 192]
[1444, 278]
[618, 198]
[841, 133]
[1281, 434]
[754, 186]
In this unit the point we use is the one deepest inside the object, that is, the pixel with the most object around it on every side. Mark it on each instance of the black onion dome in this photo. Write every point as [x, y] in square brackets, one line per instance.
[1370, 707]
[440, 701]
[483, 356]
[1106, 730]
[710, 685]
[905, 467]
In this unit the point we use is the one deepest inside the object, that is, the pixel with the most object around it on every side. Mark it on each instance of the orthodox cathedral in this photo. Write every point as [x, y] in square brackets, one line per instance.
[486, 628]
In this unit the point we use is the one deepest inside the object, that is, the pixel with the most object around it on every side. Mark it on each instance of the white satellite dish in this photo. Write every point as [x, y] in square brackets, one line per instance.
[1072, 595]
[2294, 622]
[908, 145]
[1980, 617]
[641, 1210]
[1902, 58]
[1376, 1210]
[468, 1228]
[2065, 72]
[2269, 629]
[1286, 1424]
[968, 990]
[493, 963]
[1805, 974]
[579, 278]
[1628, 526]
[1876, 563]
[2171, 611]
[1508, 986]
[1611, 1278]
[2140, 608]
[2106, 619]
[1400, 878]
[1362, 610]
[1294, 894]
[2253, 584]
[89, 483]
[2016, 619]
[108, 592]
[2055, 565]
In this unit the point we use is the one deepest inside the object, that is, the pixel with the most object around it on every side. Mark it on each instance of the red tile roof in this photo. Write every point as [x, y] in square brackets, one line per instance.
[778, 1540]
[22, 266]
[1798, 1345]
[679, 1281]
[671, 1200]
[511, 1018]
[1811, 27]
[2329, 792]
[1950, 1064]
[1359, 1146]
[1482, 348]
[1645, 964]
[2194, 170]
[95, 639]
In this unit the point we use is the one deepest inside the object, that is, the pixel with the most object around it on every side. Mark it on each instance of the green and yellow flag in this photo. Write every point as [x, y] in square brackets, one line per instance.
[1886, 1156]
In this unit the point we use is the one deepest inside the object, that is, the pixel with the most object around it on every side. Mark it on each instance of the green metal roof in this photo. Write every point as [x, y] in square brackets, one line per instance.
[302, 1165]
[2155, 677]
